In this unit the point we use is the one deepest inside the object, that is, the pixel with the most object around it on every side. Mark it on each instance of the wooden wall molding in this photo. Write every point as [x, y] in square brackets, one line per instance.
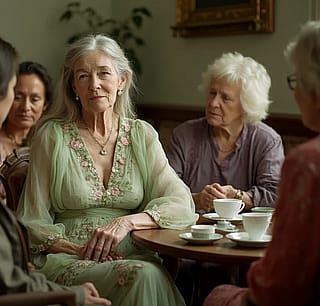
[166, 117]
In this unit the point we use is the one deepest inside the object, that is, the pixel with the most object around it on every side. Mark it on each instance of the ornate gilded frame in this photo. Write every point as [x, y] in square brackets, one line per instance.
[207, 17]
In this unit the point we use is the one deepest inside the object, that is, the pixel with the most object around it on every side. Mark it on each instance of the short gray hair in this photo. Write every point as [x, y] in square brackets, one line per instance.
[304, 53]
[253, 78]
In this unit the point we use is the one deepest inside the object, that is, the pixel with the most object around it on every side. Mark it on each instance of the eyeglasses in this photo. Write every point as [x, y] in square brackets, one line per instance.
[292, 81]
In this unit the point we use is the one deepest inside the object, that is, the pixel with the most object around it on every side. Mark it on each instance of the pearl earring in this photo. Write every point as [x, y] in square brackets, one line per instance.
[120, 92]
[77, 98]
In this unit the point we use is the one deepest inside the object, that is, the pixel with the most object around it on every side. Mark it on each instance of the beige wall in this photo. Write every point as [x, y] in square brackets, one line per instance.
[172, 66]
[33, 27]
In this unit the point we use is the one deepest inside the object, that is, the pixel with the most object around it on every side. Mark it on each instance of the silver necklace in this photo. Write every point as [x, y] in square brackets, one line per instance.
[103, 151]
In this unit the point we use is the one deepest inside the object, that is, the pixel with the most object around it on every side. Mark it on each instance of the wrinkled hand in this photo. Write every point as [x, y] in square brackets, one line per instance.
[92, 296]
[204, 199]
[103, 244]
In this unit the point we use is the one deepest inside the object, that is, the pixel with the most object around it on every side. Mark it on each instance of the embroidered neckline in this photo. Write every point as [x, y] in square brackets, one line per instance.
[112, 193]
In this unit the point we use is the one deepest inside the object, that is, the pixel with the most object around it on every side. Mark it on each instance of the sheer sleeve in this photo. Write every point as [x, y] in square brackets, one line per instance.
[166, 198]
[35, 209]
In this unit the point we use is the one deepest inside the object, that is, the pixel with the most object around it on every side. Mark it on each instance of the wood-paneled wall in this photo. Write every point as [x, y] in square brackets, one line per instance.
[165, 118]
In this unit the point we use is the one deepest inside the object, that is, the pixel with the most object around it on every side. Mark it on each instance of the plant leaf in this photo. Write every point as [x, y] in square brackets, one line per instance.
[67, 15]
[137, 20]
[143, 11]
[139, 41]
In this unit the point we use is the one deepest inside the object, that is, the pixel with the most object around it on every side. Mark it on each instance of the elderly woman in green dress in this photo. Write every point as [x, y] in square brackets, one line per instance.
[96, 174]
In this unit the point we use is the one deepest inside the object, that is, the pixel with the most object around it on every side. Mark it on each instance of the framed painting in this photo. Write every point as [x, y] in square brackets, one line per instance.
[223, 17]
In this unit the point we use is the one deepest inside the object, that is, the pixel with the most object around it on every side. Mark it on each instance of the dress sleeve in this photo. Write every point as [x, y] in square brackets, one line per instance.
[14, 278]
[289, 272]
[166, 198]
[34, 209]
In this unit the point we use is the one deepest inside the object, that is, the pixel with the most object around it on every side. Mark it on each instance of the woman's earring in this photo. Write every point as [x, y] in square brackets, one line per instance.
[77, 97]
[120, 92]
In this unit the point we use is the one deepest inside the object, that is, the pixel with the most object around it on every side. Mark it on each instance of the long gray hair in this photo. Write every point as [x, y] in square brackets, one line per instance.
[65, 107]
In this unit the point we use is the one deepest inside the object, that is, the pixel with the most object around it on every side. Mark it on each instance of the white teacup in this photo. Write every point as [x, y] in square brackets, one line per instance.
[262, 209]
[227, 208]
[256, 224]
[202, 231]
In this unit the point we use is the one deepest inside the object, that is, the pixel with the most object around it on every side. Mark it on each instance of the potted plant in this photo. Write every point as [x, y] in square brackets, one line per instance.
[124, 32]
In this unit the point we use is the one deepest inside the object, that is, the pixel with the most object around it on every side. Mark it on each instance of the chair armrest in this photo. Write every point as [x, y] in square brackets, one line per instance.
[61, 297]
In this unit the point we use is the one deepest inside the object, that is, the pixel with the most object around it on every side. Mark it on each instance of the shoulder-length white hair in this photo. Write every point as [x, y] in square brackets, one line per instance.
[65, 107]
[253, 78]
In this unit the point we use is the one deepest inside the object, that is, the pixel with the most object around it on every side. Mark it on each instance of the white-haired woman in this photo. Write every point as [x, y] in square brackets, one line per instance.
[230, 153]
[96, 174]
[289, 272]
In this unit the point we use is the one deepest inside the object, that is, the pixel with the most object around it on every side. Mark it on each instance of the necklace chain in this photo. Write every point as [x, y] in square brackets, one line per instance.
[225, 151]
[101, 145]
[12, 138]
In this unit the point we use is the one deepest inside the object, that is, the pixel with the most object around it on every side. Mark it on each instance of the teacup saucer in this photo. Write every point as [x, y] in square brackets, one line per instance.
[215, 216]
[226, 230]
[242, 239]
[188, 237]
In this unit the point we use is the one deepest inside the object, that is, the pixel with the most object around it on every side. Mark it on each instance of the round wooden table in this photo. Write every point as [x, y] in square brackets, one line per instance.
[168, 242]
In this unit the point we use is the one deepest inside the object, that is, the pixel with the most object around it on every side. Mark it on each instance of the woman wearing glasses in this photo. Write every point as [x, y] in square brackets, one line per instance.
[275, 279]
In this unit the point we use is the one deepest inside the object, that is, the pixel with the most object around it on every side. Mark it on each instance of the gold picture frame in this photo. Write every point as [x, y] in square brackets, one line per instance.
[223, 17]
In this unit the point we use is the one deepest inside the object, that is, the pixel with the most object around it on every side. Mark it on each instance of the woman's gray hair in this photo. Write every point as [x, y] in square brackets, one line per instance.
[253, 78]
[304, 53]
[65, 107]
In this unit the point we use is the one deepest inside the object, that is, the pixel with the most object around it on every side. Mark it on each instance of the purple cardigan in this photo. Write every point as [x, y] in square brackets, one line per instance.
[253, 167]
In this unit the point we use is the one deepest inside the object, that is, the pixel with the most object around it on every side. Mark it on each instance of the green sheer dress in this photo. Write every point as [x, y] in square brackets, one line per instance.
[63, 197]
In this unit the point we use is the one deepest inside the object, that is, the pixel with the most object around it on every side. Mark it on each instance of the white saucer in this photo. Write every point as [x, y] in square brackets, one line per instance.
[242, 238]
[188, 237]
[226, 230]
[215, 216]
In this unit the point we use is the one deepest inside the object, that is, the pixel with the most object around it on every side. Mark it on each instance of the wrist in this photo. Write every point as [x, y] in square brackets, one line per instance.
[238, 194]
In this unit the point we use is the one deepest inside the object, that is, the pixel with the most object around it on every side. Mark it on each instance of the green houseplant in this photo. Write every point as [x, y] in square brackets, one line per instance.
[124, 32]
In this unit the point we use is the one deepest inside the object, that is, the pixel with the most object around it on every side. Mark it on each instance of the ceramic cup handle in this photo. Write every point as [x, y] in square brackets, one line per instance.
[242, 206]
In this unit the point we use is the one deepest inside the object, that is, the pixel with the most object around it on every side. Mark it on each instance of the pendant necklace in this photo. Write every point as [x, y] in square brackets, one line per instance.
[103, 151]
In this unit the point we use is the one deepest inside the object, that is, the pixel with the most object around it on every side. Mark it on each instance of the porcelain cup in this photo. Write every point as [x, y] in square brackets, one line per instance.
[256, 224]
[228, 208]
[262, 209]
[202, 231]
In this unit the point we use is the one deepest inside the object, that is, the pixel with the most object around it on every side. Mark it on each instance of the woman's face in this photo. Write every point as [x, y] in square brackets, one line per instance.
[29, 101]
[96, 82]
[223, 107]
[6, 102]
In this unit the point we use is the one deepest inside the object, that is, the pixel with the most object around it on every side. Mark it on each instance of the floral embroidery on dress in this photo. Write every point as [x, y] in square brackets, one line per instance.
[125, 141]
[127, 271]
[110, 195]
[154, 214]
[74, 144]
[72, 271]
[51, 239]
